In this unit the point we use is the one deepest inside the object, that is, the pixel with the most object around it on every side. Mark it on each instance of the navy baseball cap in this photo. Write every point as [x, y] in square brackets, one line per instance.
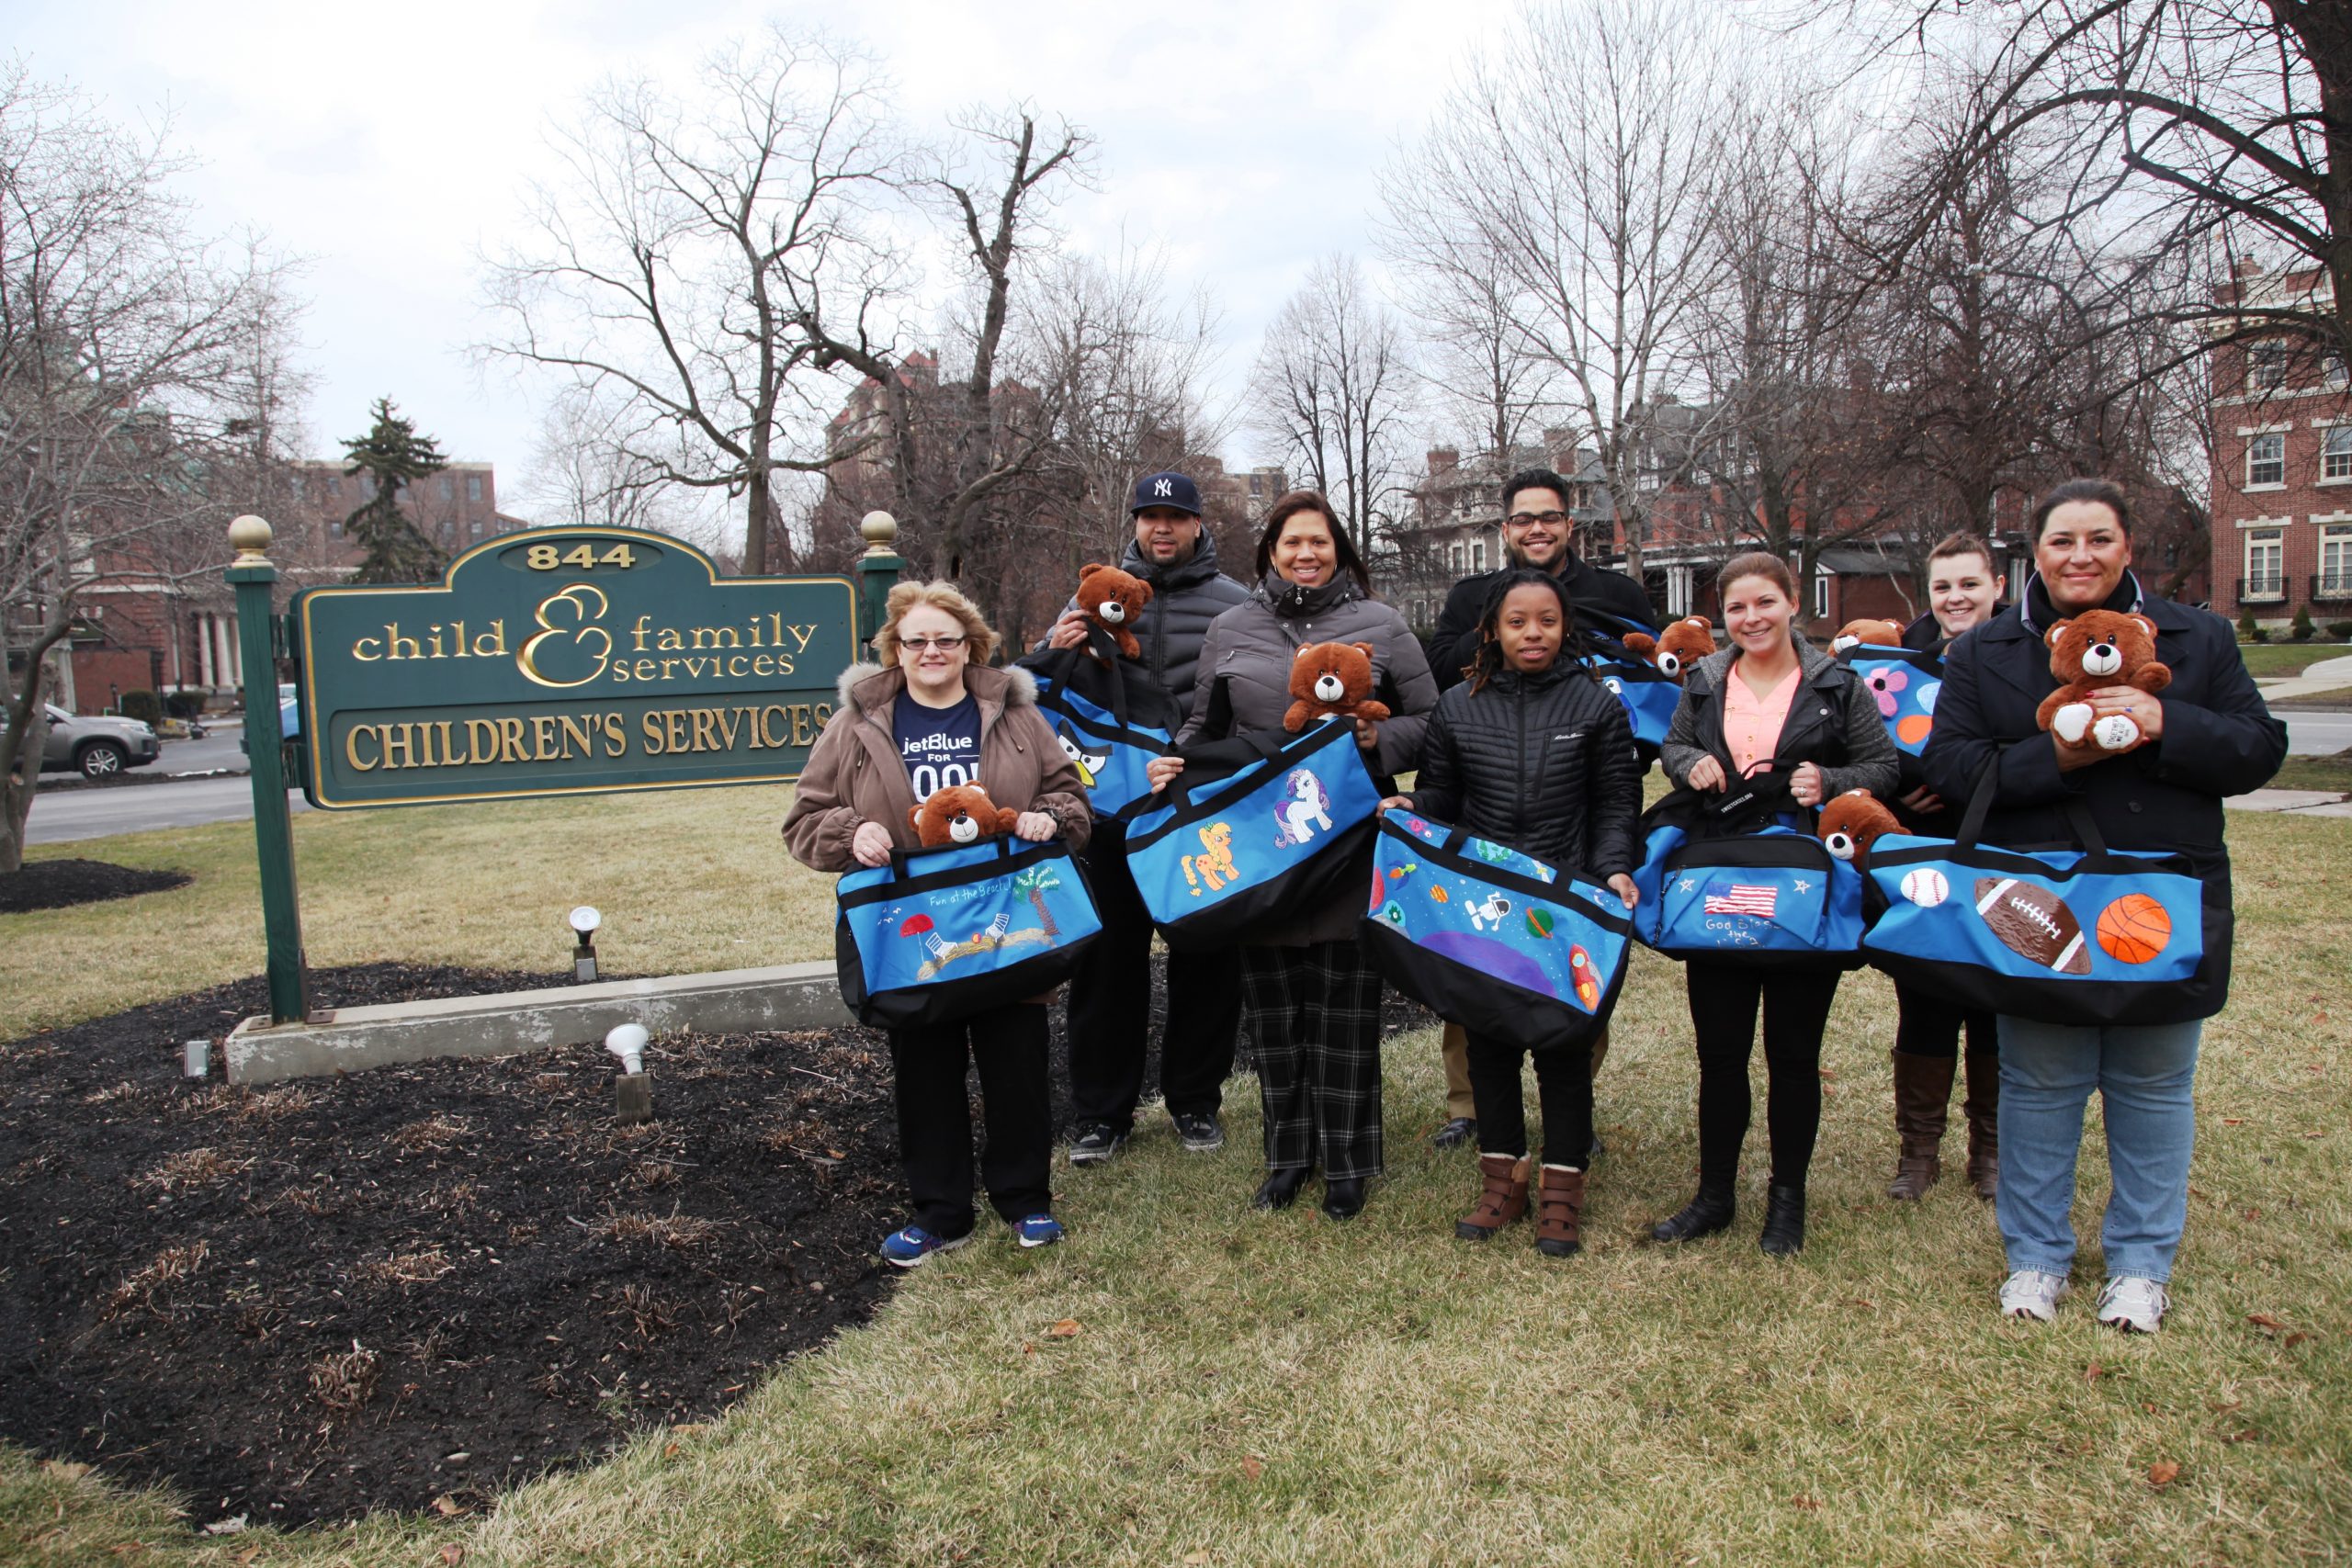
[1167, 489]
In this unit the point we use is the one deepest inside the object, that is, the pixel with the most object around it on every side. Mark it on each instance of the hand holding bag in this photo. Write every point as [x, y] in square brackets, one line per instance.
[2074, 935]
[1491, 939]
[1258, 846]
[940, 934]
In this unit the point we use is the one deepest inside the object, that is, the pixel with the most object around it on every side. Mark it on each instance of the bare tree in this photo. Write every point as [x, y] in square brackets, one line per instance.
[1578, 166]
[586, 471]
[698, 257]
[125, 337]
[1333, 387]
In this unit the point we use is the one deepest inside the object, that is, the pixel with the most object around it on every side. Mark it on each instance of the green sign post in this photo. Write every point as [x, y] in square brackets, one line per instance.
[551, 661]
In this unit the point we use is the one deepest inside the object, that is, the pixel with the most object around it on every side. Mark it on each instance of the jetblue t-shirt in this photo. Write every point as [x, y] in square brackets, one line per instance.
[941, 747]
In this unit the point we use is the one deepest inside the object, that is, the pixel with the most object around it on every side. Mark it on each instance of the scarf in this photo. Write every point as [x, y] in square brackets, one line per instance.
[2039, 615]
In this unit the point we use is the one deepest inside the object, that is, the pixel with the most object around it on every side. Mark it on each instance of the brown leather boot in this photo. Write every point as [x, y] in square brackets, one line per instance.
[1983, 1108]
[1559, 1214]
[1922, 1103]
[1502, 1200]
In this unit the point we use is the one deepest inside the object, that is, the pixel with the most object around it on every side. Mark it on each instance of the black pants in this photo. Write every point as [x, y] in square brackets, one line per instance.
[1110, 1007]
[1924, 1026]
[935, 1115]
[1563, 1082]
[1724, 999]
[1315, 1021]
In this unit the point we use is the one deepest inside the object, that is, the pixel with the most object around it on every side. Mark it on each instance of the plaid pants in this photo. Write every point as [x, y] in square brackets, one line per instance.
[1314, 1013]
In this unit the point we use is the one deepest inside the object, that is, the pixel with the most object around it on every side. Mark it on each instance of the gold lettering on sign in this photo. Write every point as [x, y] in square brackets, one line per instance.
[351, 751]
[579, 626]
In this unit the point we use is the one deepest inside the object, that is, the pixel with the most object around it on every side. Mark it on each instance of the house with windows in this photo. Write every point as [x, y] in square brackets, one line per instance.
[2282, 468]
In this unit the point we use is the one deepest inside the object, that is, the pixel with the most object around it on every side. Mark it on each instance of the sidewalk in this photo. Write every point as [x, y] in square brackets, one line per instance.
[2299, 802]
[2327, 675]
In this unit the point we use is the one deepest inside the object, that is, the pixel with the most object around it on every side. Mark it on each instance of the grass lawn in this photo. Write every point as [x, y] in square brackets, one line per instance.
[2315, 772]
[1187, 1382]
[2265, 660]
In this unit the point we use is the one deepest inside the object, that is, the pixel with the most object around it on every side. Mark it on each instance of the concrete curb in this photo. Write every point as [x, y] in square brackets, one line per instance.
[726, 1001]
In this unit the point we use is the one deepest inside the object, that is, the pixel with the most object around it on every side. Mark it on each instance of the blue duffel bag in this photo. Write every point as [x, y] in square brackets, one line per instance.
[1110, 720]
[2079, 934]
[1905, 682]
[1649, 694]
[1229, 856]
[940, 934]
[1774, 895]
[1492, 939]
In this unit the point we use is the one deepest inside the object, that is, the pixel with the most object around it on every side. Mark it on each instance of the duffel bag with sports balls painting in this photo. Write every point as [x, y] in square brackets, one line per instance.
[1225, 857]
[942, 933]
[1775, 896]
[1905, 682]
[2073, 935]
[1111, 721]
[1491, 939]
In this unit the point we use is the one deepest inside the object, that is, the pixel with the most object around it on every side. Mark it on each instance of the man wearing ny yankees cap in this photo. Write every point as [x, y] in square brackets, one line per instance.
[1110, 997]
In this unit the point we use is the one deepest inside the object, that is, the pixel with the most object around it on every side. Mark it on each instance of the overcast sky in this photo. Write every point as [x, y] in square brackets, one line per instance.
[389, 147]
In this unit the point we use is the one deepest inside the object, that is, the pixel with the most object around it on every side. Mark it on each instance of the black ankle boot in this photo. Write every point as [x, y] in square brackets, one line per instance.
[1280, 1189]
[1783, 1220]
[1343, 1199]
[1705, 1214]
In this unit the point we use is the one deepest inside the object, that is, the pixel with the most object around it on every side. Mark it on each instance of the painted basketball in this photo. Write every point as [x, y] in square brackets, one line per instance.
[2034, 923]
[1926, 886]
[2133, 929]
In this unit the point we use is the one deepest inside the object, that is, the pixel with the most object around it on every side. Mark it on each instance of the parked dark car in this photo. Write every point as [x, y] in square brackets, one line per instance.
[100, 747]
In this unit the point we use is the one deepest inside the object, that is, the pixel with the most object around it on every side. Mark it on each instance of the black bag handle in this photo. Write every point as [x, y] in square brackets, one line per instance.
[2078, 812]
[1216, 760]
[1006, 848]
[1062, 663]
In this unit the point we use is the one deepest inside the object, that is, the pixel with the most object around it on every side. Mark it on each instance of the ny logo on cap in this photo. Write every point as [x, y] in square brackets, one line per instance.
[1164, 487]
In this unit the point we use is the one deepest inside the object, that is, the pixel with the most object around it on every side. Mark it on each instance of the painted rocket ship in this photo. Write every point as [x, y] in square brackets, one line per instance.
[1588, 984]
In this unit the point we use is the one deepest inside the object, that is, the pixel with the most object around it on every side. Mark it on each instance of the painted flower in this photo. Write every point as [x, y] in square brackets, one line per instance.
[1886, 683]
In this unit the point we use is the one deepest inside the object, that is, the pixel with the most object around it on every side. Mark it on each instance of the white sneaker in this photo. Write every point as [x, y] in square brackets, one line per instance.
[2133, 1306]
[2031, 1293]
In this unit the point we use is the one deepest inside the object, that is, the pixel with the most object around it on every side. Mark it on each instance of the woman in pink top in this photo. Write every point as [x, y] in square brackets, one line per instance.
[1773, 716]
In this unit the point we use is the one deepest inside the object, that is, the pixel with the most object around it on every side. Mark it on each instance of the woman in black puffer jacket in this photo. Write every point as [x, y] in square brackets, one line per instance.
[1533, 752]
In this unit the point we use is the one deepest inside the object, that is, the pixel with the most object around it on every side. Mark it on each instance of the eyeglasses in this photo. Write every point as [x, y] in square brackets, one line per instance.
[918, 644]
[1529, 519]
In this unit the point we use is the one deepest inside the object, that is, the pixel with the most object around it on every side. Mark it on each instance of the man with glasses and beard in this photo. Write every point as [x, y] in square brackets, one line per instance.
[1536, 533]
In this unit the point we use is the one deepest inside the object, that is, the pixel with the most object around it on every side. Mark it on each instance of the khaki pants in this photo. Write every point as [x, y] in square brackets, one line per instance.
[1455, 1051]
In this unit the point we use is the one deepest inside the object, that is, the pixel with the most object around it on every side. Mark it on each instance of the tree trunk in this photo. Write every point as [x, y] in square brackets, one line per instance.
[22, 740]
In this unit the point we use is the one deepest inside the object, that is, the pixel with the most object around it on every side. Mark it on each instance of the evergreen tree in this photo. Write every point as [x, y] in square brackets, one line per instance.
[394, 455]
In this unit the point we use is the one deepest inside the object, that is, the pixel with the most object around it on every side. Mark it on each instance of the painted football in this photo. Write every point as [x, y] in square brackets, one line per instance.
[2034, 923]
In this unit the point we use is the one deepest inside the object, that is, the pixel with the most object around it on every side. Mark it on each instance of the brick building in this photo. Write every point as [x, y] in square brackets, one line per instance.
[2282, 468]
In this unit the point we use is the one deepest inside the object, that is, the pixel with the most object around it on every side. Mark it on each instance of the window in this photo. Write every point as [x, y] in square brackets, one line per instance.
[2335, 453]
[2334, 562]
[2266, 460]
[473, 487]
[1477, 554]
[335, 529]
[476, 528]
[1820, 596]
[334, 484]
[2266, 366]
[2265, 560]
[448, 488]
[367, 483]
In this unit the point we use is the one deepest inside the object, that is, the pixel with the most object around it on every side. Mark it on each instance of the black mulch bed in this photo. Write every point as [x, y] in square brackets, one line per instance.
[416, 1284]
[56, 884]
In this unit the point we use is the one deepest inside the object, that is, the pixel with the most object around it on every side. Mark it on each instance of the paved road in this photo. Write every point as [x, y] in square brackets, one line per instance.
[2318, 734]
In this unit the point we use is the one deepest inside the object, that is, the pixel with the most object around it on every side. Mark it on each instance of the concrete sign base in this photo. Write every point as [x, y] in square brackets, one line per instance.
[730, 1001]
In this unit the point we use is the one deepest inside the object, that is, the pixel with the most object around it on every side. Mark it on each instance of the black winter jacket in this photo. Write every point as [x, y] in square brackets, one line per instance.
[1186, 595]
[1833, 722]
[1541, 763]
[2219, 741]
[1455, 641]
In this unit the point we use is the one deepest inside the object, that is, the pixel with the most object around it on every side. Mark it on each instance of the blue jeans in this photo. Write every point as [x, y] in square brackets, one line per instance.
[2143, 1076]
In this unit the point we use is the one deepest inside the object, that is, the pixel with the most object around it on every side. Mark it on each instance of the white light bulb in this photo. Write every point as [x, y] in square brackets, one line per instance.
[628, 1042]
[584, 919]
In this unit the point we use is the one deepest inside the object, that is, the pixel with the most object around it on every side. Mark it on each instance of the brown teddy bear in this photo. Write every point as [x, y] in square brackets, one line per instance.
[1112, 600]
[960, 814]
[1329, 678]
[1853, 821]
[1679, 648]
[2102, 648]
[1877, 634]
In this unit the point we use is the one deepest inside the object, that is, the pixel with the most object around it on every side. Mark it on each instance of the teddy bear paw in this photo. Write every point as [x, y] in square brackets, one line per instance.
[2116, 732]
[2069, 722]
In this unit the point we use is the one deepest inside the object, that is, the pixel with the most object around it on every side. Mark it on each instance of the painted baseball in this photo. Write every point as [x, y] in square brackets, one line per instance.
[1926, 886]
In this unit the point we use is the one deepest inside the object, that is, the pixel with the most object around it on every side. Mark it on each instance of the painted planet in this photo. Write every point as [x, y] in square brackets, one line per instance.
[1912, 729]
[1394, 914]
[1539, 922]
[1489, 956]
[1438, 894]
[1927, 695]
[1379, 890]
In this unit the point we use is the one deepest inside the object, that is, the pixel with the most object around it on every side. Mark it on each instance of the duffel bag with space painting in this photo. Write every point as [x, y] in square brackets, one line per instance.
[1774, 895]
[939, 934]
[1491, 939]
[1222, 858]
[2076, 935]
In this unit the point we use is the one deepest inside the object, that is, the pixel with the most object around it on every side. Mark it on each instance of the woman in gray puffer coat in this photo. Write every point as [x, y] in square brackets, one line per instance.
[1310, 995]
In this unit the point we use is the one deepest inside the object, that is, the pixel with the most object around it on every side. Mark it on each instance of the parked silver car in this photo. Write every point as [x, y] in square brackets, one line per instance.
[100, 747]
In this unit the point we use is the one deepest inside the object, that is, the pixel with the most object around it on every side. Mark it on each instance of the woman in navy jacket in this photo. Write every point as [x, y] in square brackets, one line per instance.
[2207, 736]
